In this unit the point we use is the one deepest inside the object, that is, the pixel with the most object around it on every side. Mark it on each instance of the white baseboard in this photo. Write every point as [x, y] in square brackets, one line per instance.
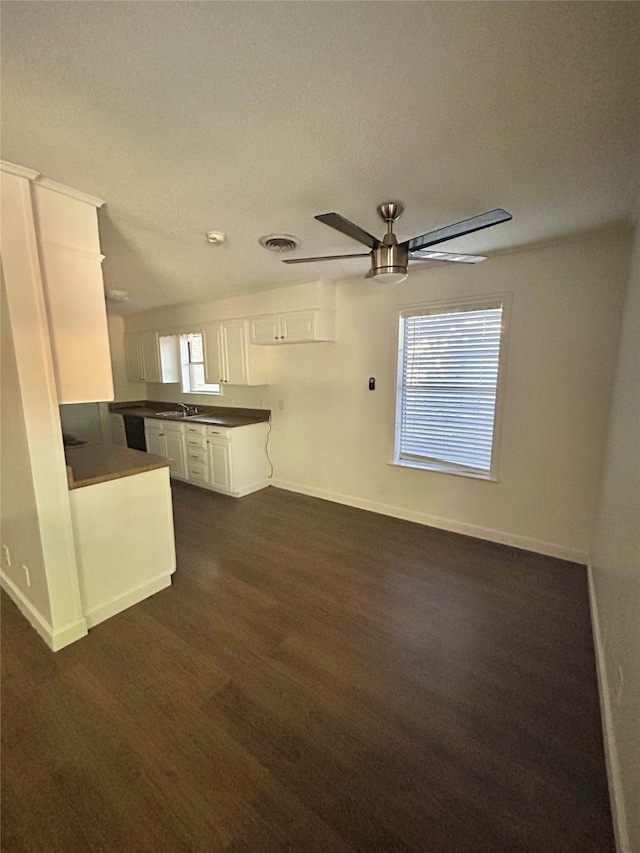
[623, 845]
[539, 546]
[57, 639]
[127, 599]
[254, 487]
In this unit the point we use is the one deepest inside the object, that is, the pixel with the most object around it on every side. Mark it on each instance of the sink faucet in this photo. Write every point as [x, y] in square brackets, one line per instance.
[186, 409]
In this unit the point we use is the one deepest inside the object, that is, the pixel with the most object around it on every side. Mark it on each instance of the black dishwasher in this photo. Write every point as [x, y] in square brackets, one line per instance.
[134, 430]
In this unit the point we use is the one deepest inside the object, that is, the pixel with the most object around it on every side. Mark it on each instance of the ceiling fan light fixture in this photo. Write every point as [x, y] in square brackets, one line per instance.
[389, 263]
[390, 276]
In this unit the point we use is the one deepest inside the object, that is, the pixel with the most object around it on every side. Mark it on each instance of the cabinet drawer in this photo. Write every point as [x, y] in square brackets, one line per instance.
[218, 435]
[192, 429]
[197, 454]
[151, 425]
[198, 473]
[195, 441]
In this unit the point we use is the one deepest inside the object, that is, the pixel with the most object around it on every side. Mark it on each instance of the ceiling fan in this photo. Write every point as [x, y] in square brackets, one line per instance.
[390, 259]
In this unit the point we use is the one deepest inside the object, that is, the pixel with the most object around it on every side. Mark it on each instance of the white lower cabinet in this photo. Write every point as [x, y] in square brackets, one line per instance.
[232, 460]
[219, 451]
[164, 438]
[238, 458]
[175, 451]
[155, 441]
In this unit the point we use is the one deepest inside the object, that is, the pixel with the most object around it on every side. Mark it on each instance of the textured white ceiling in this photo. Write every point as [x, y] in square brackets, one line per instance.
[252, 117]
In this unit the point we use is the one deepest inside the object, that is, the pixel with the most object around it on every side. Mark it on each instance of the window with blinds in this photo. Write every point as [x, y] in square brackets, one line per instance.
[193, 380]
[448, 372]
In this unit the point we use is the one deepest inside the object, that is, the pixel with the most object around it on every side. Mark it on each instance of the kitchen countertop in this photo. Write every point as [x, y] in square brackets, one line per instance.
[220, 416]
[99, 463]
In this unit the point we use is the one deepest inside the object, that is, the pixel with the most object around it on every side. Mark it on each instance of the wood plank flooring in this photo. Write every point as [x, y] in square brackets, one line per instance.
[318, 679]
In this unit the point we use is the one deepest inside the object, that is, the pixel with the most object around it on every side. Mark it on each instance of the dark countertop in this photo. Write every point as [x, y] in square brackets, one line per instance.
[99, 463]
[214, 415]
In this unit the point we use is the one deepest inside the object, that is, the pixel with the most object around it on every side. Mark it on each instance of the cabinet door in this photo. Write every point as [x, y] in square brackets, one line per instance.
[155, 443]
[74, 293]
[213, 362]
[220, 466]
[169, 348]
[234, 350]
[118, 434]
[264, 330]
[71, 264]
[150, 357]
[133, 353]
[175, 451]
[297, 327]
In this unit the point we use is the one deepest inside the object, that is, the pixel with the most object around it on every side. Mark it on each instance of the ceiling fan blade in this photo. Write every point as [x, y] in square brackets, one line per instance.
[324, 258]
[334, 220]
[458, 229]
[448, 257]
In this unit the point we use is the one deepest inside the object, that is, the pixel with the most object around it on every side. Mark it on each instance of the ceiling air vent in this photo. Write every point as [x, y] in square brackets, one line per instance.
[279, 242]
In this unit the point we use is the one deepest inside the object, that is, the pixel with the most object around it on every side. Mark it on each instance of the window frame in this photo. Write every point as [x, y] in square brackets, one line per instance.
[443, 306]
[186, 376]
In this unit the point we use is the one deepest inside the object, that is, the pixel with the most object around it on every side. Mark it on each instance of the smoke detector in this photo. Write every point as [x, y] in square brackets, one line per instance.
[216, 237]
[279, 242]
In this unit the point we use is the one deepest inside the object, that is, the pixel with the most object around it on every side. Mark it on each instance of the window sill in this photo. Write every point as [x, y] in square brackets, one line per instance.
[443, 469]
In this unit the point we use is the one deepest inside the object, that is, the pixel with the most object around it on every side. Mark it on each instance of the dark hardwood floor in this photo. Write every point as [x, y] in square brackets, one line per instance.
[317, 679]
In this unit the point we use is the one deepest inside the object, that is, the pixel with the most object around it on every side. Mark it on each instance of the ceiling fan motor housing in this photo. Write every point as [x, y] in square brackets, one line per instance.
[389, 259]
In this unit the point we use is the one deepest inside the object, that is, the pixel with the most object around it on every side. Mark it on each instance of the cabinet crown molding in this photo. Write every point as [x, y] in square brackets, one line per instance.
[48, 184]
[85, 253]
[20, 171]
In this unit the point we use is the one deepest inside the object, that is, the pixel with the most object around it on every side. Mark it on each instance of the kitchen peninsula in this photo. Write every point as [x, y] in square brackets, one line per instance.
[123, 526]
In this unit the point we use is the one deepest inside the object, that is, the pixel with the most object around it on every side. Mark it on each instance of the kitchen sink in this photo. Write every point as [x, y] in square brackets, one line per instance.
[172, 415]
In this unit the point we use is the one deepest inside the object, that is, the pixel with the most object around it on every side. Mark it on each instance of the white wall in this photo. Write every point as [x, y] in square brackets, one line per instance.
[37, 517]
[82, 420]
[20, 529]
[316, 294]
[615, 576]
[334, 438]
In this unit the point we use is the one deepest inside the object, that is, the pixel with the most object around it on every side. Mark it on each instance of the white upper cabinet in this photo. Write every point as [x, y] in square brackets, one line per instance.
[265, 330]
[229, 357]
[152, 357]
[66, 226]
[150, 352]
[293, 327]
[133, 354]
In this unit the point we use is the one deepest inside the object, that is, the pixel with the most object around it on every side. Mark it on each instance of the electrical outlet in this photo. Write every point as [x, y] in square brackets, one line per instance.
[6, 555]
[27, 575]
[281, 404]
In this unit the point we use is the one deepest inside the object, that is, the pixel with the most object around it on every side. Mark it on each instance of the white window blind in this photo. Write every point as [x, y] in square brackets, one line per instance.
[448, 380]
